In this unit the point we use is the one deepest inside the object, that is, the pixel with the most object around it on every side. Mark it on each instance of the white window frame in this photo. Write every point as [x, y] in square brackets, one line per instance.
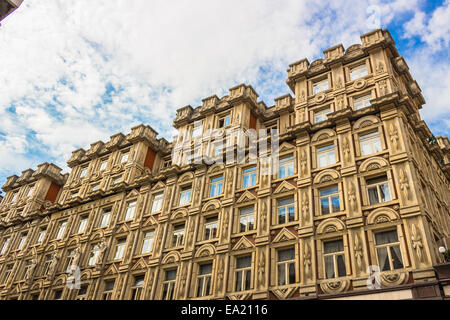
[372, 140]
[320, 86]
[357, 72]
[327, 152]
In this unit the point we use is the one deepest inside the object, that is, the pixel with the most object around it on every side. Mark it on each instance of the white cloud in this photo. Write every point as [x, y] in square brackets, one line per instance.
[60, 56]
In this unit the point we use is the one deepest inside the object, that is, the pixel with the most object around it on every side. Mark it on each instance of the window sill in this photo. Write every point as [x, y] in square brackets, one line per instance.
[330, 166]
[378, 154]
[379, 205]
[246, 233]
[283, 225]
[285, 178]
[330, 215]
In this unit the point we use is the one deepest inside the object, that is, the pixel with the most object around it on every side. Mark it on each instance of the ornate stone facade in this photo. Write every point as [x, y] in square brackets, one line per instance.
[362, 183]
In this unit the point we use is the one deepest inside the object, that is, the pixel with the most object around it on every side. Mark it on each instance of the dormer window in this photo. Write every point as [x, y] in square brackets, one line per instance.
[225, 121]
[358, 72]
[320, 86]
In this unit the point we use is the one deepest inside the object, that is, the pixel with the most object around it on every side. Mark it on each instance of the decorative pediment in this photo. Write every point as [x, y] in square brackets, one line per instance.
[211, 205]
[284, 235]
[86, 275]
[374, 163]
[186, 177]
[205, 250]
[123, 229]
[158, 186]
[112, 269]
[326, 176]
[382, 215]
[150, 221]
[284, 293]
[247, 196]
[239, 296]
[215, 168]
[323, 135]
[132, 194]
[284, 187]
[286, 147]
[99, 234]
[330, 226]
[140, 264]
[180, 213]
[243, 244]
[171, 257]
[365, 122]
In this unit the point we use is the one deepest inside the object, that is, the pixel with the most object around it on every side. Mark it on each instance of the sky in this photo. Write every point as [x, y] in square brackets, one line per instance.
[73, 72]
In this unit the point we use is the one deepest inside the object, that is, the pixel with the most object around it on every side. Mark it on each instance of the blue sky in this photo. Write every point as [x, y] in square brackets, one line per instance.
[78, 72]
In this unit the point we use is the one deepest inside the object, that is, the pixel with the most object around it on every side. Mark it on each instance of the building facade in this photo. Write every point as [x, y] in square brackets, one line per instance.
[8, 6]
[357, 208]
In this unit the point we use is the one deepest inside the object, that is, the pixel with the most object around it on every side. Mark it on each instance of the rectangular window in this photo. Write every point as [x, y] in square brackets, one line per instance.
[14, 196]
[106, 216]
[334, 259]
[210, 228]
[83, 171]
[243, 273]
[249, 177]
[69, 258]
[120, 249]
[378, 190]
[27, 267]
[83, 224]
[41, 235]
[7, 272]
[61, 229]
[286, 167]
[329, 200]
[157, 202]
[321, 115]
[204, 280]
[326, 156]
[137, 288]
[286, 266]
[108, 289]
[81, 294]
[286, 210]
[103, 164]
[185, 195]
[148, 242]
[197, 130]
[5, 245]
[388, 250]
[116, 180]
[358, 72]
[94, 254]
[74, 194]
[224, 121]
[362, 102]
[215, 187]
[370, 143]
[30, 191]
[169, 284]
[178, 235]
[46, 265]
[124, 157]
[320, 86]
[57, 295]
[95, 187]
[131, 207]
[23, 239]
[246, 219]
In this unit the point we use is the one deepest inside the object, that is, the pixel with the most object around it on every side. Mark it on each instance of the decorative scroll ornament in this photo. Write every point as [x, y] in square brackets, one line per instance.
[230, 181]
[358, 253]
[263, 215]
[307, 260]
[305, 207]
[352, 196]
[191, 233]
[303, 96]
[346, 149]
[303, 162]
[340, 102]
[225, 225]
[261, 269]
[383, 87]
[417, 242]
[183, 281]
[220, 274]
[380, 67]
[393, 134]
[404, 184]
[339, 84]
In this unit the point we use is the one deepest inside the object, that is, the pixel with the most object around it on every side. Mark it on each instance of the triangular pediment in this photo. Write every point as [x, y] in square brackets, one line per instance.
[123, 228]
[149, 222]
[284, 235]
[246, 197]
[140, 265]
[239, 296]
[285, 147]
[158, 186]
[284, 293]
[284, 187]
[112, 269]
[243, 244]
[132, 194]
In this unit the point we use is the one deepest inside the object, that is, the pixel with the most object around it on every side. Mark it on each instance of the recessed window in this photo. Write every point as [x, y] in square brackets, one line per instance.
[120, 248]
[286, 266]
[82, 292]
[41, 235]
[197, 130]
[286, 167]
[178, 235]
[320, 86]
[106, 216]
[370, 143]
[246, 219]
[83, 171]
[108, 289]
[157, 202]
[204, 280]
[185, 195]
[286, 210]
[57, 294]
[103, 164]
[334, 259]
[93, 255]
[321, 115]
[215, 187]
[14, 196]
[61, 229]
[388, 250]
[243, 273]
[138, 287]
[7, 272]
[249, 177]
[147, 242]
[95, 187]
[27, 267]
[329, 200]
[116, 180]
[5, 245]
[74, 194]
[326, 156]
[210, 228]
[131, 208]
[362, 102]
[47, 263]
[22, 240]
[69, 259]
[358, 72]
[224, 121]
[30, 191]
[378, 190]
[124, 157]
[169, 284]
[83, 224]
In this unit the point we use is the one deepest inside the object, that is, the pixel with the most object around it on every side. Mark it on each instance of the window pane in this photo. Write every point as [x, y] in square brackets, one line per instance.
[281, 274]
[243, 262]
[325, 206]
[373, 195]
[396, 257]
[333, 246]
[341, 265]
[281, 215]
[238, 281]
[386, 237]
[328, 191]
[384, 192]
[383, 259]
[291, 210]
[205, 269]
[292, 273]
[248, 277]
[329, 267]
[335, 202]
[286, 254]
